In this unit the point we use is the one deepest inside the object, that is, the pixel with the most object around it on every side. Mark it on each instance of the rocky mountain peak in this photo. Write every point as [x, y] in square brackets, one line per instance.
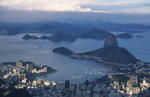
[111, 41]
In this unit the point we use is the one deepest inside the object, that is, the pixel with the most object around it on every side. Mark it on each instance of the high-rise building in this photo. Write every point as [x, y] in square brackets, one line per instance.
[28, 67]
[22, 76]
[67, 84]
[18, 64]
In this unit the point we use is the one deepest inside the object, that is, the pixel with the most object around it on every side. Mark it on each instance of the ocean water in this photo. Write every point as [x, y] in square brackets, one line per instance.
[139, 47]
[13, 48]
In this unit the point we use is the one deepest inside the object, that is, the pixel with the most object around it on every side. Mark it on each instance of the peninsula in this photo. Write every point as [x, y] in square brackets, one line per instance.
[111, 53]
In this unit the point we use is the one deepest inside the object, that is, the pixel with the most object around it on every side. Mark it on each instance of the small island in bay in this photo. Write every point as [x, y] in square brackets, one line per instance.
[139, 36]
[57, 37]
[63, 51]
[124, 36]
[28, 37]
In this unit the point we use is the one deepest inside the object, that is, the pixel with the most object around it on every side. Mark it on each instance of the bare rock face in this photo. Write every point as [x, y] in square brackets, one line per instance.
[111, 41]
[112, 53]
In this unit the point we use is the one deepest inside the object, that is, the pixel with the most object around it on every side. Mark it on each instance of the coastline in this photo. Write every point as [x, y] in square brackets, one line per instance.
[45, 73]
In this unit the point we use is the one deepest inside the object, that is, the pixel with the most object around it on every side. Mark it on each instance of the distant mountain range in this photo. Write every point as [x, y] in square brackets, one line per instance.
[53, 26]
[131, 28]
[72, 31]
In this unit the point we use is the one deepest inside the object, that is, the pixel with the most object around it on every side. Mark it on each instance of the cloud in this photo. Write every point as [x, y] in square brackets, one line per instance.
[46, 5]
[121, 6]
[104, 6]
[136, 10]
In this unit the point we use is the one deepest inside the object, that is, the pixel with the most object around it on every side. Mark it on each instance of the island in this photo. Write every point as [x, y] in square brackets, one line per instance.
[139, 36]
[63, 51]
[124, 36]
[27, 37]
[57, 37]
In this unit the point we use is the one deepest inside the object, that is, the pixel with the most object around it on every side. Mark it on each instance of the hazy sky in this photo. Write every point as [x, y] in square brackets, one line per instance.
[106, 6]
[135, 11]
